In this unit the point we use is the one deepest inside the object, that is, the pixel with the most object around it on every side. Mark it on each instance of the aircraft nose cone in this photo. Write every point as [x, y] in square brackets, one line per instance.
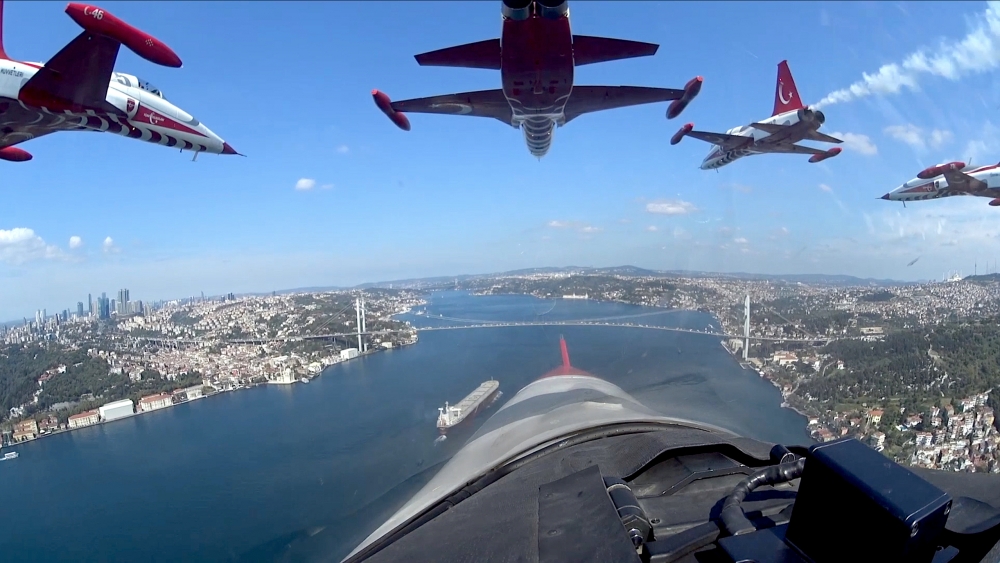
[886, 196]
[226, 149]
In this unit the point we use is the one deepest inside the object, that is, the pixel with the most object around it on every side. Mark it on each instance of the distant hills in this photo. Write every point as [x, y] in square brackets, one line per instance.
[839, 280]
[984, 277]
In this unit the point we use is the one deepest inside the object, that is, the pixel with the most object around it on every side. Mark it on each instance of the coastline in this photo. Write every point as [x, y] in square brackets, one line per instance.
[204, 396]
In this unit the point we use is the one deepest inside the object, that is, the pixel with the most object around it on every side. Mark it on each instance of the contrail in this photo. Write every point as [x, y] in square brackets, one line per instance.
[977, 52]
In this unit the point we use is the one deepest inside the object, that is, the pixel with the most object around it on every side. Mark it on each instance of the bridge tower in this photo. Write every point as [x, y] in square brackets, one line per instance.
[364, 323]
[357, 310]
[746, 328]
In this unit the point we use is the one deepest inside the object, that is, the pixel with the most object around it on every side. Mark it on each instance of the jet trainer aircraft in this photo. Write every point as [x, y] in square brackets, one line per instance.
[950, 179]
[535, 55]
[790, 122]
[78, 90]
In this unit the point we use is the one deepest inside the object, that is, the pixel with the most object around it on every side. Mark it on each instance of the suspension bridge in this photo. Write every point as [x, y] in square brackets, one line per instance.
[621, 321]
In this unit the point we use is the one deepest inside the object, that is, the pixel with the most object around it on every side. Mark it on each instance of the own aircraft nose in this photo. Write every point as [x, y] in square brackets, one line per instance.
[226, 149]
[886, 196]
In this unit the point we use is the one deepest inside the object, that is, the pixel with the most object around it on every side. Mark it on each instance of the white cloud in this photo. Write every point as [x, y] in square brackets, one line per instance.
[918, 138]
[75, 242]
[740, 240]
[671, 207]
[977, 52]
[652, 228]
[558, 224]
[109, 247]
[589, 229]
[680, 233]
[826, 188]
[343, 149]
[305, 184]
[19, 245]
[857, 142]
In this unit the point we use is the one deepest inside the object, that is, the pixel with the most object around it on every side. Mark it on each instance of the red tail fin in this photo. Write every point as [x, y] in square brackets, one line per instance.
[3, 54]
[786, 95]
[565, 352]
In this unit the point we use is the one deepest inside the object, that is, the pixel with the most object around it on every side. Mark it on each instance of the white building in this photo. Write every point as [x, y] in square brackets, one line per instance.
[116, 409]
[194, 392]
[349, 353]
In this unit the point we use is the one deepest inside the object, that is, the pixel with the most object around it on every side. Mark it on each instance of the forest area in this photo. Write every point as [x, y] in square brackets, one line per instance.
[917, 367]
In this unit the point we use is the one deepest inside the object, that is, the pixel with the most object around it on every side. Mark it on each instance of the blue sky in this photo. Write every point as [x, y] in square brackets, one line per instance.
[289, 85]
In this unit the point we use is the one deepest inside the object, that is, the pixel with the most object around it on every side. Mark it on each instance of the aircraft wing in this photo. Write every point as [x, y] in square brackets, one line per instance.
[79, 73]
[587, 99]
[792, 149]
[962, 182]
[484, 103]
[727, 142]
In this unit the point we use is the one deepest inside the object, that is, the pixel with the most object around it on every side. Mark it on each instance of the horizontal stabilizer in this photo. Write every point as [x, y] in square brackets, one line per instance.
[822, 137]
[588, 50]
[771, 128]
[483, 54]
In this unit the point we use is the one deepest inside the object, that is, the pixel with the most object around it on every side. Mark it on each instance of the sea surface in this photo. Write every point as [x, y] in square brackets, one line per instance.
[306, 472]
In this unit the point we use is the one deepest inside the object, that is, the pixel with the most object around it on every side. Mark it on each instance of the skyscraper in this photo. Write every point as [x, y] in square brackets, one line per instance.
[90, 305]
[79, 308]
[122, 307]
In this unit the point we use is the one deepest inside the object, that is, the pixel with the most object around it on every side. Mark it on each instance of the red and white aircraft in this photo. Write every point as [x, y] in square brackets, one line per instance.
[535, 55]
[78, 90]
[950, 179]
[790, 123]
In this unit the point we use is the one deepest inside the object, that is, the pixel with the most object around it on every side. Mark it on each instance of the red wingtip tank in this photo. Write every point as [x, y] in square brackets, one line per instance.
[828, 154]
[995, 202]
[691, 90]
[928, 173]
[385, 104]
[680, 133]
[14, 154]
[102, 22]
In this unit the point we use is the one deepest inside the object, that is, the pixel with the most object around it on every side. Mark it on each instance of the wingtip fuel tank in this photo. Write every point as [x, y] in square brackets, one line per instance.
[684, 130]
[385, 104]
[928, 173]
[830, 153]
[691, 89]
[14, 154]
[102, 22]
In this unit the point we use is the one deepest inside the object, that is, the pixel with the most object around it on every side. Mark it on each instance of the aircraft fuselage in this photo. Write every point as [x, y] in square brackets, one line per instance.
[801, 124]
[919, 189]
[134, 109]
[536, 69]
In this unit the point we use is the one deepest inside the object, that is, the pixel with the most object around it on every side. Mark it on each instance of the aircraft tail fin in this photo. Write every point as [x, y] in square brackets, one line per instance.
[588, 50]
[3, 53]
[786, 95]
[482, 54]
[565, 353]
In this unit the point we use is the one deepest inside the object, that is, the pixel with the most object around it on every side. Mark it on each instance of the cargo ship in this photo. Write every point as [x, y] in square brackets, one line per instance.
[480, 399]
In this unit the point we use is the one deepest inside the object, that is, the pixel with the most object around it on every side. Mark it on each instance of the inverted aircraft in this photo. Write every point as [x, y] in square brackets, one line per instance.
[78, 90]
[535, 55]
[950, 179]
[790, 122]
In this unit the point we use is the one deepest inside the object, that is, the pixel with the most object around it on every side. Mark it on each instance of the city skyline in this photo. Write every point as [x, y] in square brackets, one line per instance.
[331, 194]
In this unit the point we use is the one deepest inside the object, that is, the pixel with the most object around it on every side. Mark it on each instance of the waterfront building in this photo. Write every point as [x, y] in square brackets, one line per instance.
[153, 402]
[116, 410]
[85, 418]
